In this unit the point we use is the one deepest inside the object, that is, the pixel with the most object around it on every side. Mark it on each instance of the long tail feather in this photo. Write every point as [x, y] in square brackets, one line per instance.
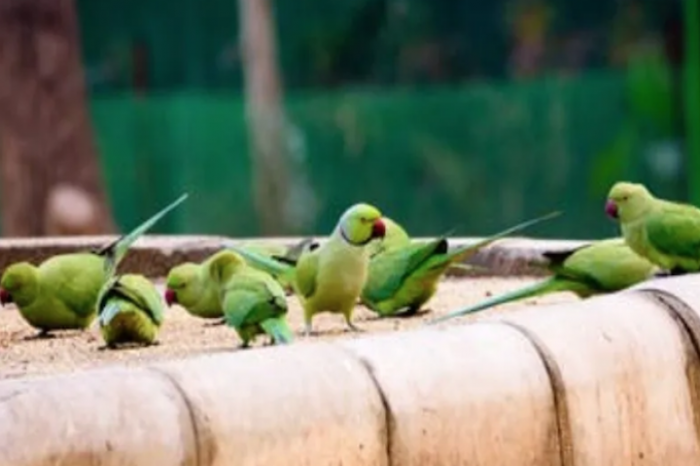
[549, 285]
[261, 261]
[115, 251]
[278, 329]
[464, 252]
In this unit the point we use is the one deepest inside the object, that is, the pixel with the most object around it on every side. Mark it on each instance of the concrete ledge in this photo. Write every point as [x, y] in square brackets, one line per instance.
[104, 417]
[458, 397]
[608, 380]
[619, 364]
[155, 255]
[299, 405]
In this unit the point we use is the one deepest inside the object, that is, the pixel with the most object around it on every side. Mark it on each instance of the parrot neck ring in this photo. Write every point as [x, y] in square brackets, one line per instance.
[351, 242]
[378, 231]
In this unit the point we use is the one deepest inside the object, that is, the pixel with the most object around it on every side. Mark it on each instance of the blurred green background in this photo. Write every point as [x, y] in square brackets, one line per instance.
[447, 115]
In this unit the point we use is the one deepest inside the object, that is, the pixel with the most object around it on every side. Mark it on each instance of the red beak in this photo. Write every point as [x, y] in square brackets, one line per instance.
[611, 209]
[5, 297]
[170, 297]
[378, 229]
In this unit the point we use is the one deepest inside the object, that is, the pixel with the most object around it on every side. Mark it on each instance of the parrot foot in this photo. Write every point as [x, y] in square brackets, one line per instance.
[41, 335]
[106, 347]
[245, 345]
[308, 331]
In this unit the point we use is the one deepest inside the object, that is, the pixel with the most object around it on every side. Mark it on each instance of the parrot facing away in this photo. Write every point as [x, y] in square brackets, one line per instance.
[130, 310]
[666, 233]
[61, 293]
[255, 304]
[601, 267]
[196, 287]
[403, 279]
[330, 277]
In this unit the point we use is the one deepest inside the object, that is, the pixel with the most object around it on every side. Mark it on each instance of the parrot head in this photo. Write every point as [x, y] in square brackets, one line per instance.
[181, 285]
[394, 236]
[360, 224]
[19, 284]
[627, 201]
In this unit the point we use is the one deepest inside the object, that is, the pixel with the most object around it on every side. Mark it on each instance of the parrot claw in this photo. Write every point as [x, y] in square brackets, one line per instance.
[307, 331]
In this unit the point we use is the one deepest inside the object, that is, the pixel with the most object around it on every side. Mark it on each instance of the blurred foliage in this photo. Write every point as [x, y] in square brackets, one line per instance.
[476, 158]
[468, 115]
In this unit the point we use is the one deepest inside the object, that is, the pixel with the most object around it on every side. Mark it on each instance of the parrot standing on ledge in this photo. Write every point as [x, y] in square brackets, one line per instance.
[61, 293]
[666, 233]
[330, 277]
[600, 267]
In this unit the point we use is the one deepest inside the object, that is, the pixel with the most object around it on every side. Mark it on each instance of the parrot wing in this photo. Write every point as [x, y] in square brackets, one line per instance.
[675, 231]
[389, 270]
[76, 280]
[306, 272]
[247, 302]
[138, 290]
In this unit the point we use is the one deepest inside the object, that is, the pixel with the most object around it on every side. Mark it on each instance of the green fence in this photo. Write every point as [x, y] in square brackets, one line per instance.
[476, 158]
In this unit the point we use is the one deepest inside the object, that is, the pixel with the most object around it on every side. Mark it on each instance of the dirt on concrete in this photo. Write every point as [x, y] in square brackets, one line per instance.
[183, 335]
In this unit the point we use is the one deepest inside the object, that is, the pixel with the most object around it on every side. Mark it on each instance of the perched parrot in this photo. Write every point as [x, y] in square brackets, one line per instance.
[196, 288]
[330, 277]
[601, 267]
[62, 292]
[130, 310]
[664, 232]
[254, 303]
[403, 279]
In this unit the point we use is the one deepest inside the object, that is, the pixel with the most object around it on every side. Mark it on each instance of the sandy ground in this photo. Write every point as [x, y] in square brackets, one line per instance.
[183, 335]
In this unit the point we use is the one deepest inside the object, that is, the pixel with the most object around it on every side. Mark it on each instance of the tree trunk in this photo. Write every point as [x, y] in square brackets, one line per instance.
[51, 179]
[265, 114]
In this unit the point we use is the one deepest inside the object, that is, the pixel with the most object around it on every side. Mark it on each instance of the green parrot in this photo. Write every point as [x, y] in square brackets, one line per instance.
[195, 287]
[62, 292]
[254, 304]
[600, 267]
[130, 310]
[403, 279]
[330, 277]
[664, 232]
